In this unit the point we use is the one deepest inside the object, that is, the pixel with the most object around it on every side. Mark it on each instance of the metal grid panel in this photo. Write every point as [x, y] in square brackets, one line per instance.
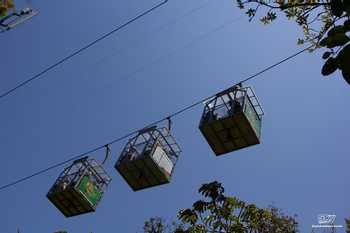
[12, 20]
[232, 100]
[149, 158]
[70, 202]
[228, 123]
[65, 193]
[142, 173]
[229, 134]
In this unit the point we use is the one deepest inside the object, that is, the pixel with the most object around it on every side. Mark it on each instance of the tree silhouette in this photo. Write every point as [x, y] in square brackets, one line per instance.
[5, 6]
[325, 23]
[217, 213]
[347, 222]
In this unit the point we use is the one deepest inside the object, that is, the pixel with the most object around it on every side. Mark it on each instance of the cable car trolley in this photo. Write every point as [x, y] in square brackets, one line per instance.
[232, 120]
[13, 19]
[79, 188]
[149, 158]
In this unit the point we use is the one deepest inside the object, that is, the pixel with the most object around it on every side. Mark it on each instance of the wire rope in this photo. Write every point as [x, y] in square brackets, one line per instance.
[166, 118]
[78, 51]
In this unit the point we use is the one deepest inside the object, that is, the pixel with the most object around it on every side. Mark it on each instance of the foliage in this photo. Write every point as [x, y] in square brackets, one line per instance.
[217, 213]
[154, 225]
[5, 6]
[347, 222]
[159, 225]
[325, 23]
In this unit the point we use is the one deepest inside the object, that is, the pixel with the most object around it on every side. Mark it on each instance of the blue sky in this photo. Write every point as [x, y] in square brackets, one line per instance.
[183, 52]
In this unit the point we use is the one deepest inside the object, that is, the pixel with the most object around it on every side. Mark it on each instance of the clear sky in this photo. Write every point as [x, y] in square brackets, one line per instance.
[179, 54]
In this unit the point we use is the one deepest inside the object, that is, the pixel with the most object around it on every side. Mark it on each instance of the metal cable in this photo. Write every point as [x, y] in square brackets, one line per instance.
[104, 36]
[166, 118]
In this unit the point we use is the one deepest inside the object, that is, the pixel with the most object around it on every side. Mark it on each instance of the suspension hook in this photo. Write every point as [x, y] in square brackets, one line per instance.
[108, 151]
[169, 124]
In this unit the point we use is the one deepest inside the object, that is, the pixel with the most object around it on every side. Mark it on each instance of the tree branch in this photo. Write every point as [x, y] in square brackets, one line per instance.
[286, 6]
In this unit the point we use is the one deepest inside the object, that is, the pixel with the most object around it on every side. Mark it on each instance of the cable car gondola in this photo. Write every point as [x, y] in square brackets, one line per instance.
[149, 158]
[11, 20]
[79, 188]
[232, 120]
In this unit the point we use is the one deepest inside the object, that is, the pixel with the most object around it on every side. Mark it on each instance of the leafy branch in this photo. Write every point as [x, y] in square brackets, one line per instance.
[5, 6]
[217, 213]
[325, 23]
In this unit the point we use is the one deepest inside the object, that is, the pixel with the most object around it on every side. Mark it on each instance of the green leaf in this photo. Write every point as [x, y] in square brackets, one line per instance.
[188, 216]
[326, 41]
[344, 58]
[290, 14]
[346, 76]
[240, 4]
[217, 224]
[330, 66]
[326, 55]
[300, 41]
[337, 7]
[347, 6]
[250, 12]
[200, 206]
[344, 62]
[212, 190]
[340, 39]
[3, 11]
[334, 40]
[271, 16]
[335, 30]
[264, 20]
[347, 25]
[209, 219]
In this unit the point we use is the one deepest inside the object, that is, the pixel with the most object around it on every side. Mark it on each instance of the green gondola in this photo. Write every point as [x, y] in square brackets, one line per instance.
[79, 188]
[232, 120]
[148, 159]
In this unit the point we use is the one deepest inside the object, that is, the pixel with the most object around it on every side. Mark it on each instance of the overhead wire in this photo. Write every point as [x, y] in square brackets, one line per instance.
[166, 118]
[78, 51]
[177, 49]
[173, 21]
[161, 27]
